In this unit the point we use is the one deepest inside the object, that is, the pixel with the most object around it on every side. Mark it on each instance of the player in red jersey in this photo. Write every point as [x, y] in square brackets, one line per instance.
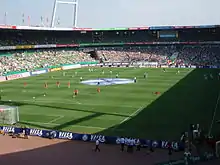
[157, 93]
[98, 90]
[25, 84]
[75, 93]
[58, 84]
[45, 85]
[68, 84]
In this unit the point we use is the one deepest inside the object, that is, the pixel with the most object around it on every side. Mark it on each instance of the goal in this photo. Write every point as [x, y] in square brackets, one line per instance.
[8, 114]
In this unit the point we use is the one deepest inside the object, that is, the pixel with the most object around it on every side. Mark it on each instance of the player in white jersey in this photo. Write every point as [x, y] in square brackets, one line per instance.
[211, 76]
[110, 71]
[64, 73]
[205, 77]
[145, 75]
[135, 79]
[103, 72]
[81, 78]
[116, 75]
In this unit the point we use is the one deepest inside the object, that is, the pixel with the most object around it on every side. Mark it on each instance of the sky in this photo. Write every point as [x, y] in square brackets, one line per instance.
[113, 13]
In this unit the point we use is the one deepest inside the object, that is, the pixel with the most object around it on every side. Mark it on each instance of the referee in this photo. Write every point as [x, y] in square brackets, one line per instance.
[97, 146]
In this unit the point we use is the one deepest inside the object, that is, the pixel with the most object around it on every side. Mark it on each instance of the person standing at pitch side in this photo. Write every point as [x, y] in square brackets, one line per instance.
[122, 142]
[97, 146]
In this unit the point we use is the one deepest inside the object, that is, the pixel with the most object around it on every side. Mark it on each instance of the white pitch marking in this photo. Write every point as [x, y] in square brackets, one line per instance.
[57, 118]
[133, 114]
[214, 114]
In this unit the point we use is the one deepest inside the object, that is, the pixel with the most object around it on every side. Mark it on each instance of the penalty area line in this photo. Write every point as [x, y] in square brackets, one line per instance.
[57, 118]
[132, 114]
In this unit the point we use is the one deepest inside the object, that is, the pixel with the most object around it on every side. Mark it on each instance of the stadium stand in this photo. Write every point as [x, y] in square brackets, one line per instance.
[184, 55]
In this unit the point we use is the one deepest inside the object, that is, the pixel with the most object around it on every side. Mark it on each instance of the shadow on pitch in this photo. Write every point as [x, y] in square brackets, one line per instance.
[16, 103]
[191, 100]
[66, 124]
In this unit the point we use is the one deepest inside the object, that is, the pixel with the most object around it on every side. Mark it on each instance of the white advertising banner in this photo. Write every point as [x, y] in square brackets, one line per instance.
[71, 67]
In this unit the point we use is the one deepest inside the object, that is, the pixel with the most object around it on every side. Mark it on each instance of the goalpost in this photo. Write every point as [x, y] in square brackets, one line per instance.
[9, 114]
[217, 149]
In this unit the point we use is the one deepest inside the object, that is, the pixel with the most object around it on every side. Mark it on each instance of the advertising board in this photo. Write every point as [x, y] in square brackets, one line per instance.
[55, 69]
[90, 137]
[26, 74]
[2, 78]
[71, 67]
[14, 76]
[37, 72]
[7, 47]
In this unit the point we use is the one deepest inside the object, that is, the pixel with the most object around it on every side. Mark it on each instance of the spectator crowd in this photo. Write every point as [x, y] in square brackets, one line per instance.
[40, 59]
[180, 55]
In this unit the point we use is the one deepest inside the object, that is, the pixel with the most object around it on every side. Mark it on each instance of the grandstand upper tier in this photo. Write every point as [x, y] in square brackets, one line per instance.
[42, 37]
[107, 45]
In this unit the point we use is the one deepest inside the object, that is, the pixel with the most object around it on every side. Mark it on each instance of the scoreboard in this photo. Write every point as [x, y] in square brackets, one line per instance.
[167, 34]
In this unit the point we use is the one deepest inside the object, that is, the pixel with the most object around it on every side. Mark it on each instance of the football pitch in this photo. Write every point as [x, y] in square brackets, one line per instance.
[131, 110]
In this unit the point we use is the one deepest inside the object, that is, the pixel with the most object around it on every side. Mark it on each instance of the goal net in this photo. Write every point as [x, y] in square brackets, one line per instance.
[8, 114]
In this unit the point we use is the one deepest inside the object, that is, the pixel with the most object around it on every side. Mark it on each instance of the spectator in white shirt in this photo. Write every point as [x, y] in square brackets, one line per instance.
[122, 142]
[97, 146]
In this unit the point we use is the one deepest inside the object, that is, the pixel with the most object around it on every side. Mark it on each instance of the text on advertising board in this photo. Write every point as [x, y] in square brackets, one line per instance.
[36, 132]
[38, 72]
[14, 76]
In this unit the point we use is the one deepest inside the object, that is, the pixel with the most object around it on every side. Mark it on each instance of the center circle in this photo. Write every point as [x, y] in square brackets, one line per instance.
[108, 81]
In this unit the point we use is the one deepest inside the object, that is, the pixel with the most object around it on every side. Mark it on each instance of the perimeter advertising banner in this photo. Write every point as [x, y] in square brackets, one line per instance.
[55, 69]
[37, 72]
[14, 76]
[71, 67]
[26, 74]
[90, 137]
[7, 47]
[24, 46]
[2, 78]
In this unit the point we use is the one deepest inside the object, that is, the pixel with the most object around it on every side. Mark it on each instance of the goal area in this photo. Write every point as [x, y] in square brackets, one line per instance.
[9, 114]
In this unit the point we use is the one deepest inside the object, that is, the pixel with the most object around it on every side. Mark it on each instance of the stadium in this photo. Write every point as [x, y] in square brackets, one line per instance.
[149, 85]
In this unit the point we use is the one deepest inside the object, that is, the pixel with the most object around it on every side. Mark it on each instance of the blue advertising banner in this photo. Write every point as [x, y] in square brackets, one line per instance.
[8, 129]
[91, 137]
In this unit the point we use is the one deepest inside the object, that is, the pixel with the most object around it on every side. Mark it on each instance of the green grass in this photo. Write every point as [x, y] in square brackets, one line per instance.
[129, 110]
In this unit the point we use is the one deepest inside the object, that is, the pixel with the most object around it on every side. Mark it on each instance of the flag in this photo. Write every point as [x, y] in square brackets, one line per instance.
[58, 21]
[23, 18]
[5, 18]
